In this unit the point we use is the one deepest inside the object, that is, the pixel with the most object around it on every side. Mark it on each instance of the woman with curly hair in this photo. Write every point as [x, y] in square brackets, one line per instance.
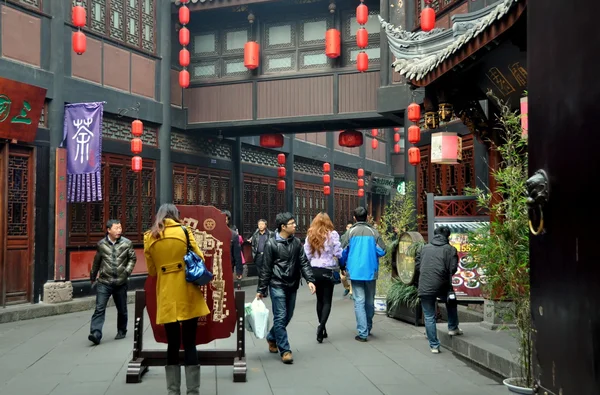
[323, 248]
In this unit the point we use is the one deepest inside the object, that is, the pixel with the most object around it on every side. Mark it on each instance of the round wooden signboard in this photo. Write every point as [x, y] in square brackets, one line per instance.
[406, 264]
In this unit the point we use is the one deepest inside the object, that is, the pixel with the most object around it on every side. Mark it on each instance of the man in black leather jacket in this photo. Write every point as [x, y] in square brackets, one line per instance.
[284, 263]
[259, 240]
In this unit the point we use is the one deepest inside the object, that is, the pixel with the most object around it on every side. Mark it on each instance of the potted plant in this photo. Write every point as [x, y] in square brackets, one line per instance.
[502, 248]
[402, 298]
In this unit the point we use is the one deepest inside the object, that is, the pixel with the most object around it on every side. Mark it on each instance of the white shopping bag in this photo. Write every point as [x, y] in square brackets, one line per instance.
[248, 317]
[260, 318]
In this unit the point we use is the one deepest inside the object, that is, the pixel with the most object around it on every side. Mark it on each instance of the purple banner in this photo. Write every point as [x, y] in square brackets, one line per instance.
[83, 138]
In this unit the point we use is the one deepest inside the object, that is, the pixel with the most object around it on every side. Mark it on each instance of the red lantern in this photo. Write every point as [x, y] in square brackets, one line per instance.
[326, 179]
[184, 1]
[184, 36]
[281, 159]
[414, 156]
[184, 57]
[360, 173]
[79, 42]
[414, 134]
[281, 172]
[184, 78]
[362, 62]
[251, 55]
[350, 138]
[396, 137]
[326, 167]
[136, 164]
[281, 185]
[361, 183]
[184, 15]
[362, 14]
[79, 16]
[396, 148]
[396, 129]
[374, 143]
[361, 192]
[374, 132]
[332, 43]
[427, 19]
[136, 146]
[137, 128]
[327, 190]
[414, 112]
[362, 38]
[524, 117]
[271, 140]
[446, 148]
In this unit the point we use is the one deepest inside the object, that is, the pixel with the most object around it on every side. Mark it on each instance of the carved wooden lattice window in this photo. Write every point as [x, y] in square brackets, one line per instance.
[440, 6]
[350, 49]
[219, 53]
[261, 200]
[37, 4]
[201, 186]
[129, 197]
[19, 180]
[346, 200]
[309, 201]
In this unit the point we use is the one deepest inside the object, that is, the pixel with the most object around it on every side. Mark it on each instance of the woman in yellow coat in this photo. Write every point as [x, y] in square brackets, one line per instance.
[179, 303]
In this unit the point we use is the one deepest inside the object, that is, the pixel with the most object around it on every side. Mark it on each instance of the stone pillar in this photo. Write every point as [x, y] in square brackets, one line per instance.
[165, 171]
[237, 186]
[289, 178]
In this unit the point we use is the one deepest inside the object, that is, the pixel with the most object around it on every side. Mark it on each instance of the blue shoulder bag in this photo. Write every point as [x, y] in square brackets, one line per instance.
[195, 270]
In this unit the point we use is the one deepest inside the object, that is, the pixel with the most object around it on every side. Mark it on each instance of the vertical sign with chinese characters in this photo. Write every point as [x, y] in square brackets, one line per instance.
[60, 227]
[20, 110]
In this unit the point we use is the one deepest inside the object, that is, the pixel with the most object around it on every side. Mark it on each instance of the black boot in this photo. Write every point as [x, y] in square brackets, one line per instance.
[319, 334]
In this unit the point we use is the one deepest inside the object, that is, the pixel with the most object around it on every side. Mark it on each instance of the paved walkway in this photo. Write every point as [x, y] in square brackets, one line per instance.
[53, 356]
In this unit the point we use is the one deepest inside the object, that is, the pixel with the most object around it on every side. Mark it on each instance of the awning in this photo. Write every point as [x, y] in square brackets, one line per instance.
[462, 227]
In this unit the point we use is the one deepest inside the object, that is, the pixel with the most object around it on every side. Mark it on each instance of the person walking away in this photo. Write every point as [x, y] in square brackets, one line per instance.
[236, 251]
[323, 248]
[113, 263]
[362, 250]
[343, 273]
[285, 262]
[258, 241]
[435, 264]
[179, 303]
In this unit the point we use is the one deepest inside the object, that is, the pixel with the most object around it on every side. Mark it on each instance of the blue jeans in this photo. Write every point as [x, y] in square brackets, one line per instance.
[428, 302]
[283, 302]
[103, 294]
[364, 305]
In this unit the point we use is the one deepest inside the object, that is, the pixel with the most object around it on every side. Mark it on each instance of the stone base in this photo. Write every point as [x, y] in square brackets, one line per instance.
[58, 292]
[495, 314]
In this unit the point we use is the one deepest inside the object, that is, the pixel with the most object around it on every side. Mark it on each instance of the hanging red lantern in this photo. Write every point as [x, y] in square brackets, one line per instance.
[361, 182]
[281, 172]
[332, 43]
[362, 14]
[326, 178]
[360, 173]
[414, 156]
[184, 1]
[396, 148]
[362, 38]
[281, 159]
[184, 57]
[414, 134]
[362, 62]
[427, 19]
[79, 43]
[281, 185]
[79, 16]
[396, 137]
[414, 112]
[184, 36]
[350, 138]
[374, 132]
[184, 78]
[137, 128]
[446, 148]
[136, 146]
[136, 164]
[374, 143]
[184, 15]
[251, 55]
[271, 140]
[326, 167]
[396, 129]
[361, 192]
[327, 190]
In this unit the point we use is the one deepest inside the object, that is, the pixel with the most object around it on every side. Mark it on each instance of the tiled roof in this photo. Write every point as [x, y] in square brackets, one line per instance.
[419, 53]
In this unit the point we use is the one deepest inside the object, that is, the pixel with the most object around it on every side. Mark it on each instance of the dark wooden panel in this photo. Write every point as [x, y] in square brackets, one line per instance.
[176, 94]
[295, 97]
[358, 92]
[117, 62]
[89, 65]
[143, 76]
[220, 103]
[21, 36]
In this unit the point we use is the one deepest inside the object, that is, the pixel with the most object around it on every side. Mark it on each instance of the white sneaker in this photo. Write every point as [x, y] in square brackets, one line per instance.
[435, 350]
[456, 332]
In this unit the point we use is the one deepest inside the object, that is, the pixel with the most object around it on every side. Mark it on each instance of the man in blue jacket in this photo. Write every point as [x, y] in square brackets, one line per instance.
[362, 249]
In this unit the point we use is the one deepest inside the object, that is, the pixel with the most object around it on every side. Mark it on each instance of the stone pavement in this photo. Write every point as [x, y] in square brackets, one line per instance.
[52, 355]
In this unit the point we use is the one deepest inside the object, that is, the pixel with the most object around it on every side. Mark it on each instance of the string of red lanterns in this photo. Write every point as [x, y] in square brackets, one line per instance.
[78, 39]
[251, 49]
[281, 172]
[184, 40]
[137, 129]
[427, 17]
[374, 141]
[362, 37]
[326, 179]
[396, 140]
[361, 182]
[333, 38]
[414, 133]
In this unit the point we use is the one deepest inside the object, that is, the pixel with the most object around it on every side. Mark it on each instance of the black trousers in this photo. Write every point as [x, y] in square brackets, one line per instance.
[103, 294]
[258, 261]
[324, 287]
[178, 333]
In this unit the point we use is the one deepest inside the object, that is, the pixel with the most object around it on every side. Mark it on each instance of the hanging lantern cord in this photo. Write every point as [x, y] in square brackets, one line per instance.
[122, 111]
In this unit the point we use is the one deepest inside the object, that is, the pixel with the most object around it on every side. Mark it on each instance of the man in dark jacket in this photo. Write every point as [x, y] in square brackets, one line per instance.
[285, 262]
[236, 250]
[113, 263]
[435, 265]
[258, 241]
